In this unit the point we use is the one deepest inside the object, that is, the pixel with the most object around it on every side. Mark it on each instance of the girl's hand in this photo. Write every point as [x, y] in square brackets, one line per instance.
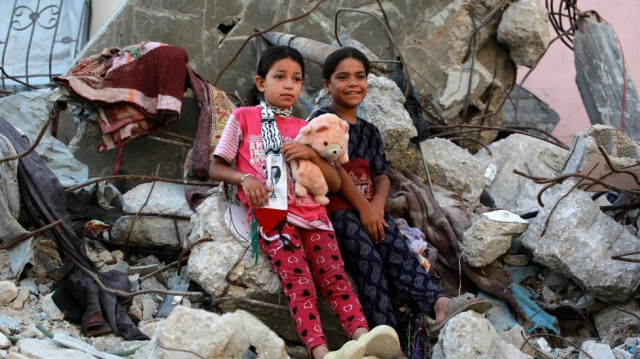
[257, 193]
[297, 151]
[374, 223]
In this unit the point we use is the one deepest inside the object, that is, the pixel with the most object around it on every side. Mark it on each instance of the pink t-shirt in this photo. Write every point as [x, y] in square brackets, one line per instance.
[241, 142]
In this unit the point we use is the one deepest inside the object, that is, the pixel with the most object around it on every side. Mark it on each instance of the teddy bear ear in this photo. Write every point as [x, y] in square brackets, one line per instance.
[322, 127]
[345, 126]
[305, 130]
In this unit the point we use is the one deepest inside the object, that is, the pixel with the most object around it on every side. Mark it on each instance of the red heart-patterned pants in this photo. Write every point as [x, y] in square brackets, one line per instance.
[303, 258]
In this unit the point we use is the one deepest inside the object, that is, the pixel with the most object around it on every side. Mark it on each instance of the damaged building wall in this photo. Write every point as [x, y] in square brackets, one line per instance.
[554, 79]
[434, 38]
[435, 41]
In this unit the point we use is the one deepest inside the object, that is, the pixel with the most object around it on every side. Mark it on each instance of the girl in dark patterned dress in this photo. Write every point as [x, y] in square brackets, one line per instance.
[373, 248]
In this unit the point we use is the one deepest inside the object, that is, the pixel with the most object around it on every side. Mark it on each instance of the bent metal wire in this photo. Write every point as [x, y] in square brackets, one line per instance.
[43, 27]
[563, 16]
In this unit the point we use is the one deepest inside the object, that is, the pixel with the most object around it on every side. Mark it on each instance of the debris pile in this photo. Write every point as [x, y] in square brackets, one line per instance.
[548, 233]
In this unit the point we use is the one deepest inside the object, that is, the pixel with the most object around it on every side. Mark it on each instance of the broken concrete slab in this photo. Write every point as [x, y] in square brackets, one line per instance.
[510, 191]
[532, 112]
[453, 168]
[524, 30]
[619, 147]
[231, 335]
[592, 349]
[490, 236]
[470, 335]
[48, 349]
[29, 111]
[157, 203]
[577, 230]
[606, 319]
[8, 292]
[602, 76]
[66, 340]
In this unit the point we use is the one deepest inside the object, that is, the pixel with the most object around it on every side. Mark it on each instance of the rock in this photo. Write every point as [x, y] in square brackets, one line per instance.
[556, 281]
[550, 296]
[5, 343]
[595, 350]
[454, 168]
[516, 337]
[444, 70]
[209, 262]
[49, 307]
[470, 335]
[154, 231]
[513, 192]
[148, 308]
[620, 149]
[8, 292]
[216, 336]
[524, 30]
[48, 349]
[515, 260]
[18, 302]
[490, 236]
[605, 319]
[14, 355]
[579, 240]
[532, 112]
[622, 354]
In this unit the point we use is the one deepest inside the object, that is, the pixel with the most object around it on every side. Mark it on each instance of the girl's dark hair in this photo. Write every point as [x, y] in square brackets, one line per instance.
[267, 59]
[332, 61]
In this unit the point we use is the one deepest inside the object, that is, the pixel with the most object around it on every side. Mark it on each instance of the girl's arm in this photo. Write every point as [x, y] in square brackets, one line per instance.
[372, 219]
[381, 190]
[297, 151]
[257, 193]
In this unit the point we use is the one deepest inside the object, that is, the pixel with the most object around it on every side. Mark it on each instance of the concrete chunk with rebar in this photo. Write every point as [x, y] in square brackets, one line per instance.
[599, 75]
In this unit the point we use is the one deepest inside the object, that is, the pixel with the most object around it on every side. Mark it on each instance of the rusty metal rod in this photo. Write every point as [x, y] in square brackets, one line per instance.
[30, 234]
[141, 178]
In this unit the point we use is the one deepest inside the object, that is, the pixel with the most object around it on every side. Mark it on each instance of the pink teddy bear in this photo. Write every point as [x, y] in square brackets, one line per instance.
[328, 134]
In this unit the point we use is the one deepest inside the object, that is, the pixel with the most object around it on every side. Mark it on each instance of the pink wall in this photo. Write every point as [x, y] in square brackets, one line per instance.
[553, 80]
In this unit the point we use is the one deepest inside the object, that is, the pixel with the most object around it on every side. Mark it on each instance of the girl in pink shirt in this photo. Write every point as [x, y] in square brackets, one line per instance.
[294, 233]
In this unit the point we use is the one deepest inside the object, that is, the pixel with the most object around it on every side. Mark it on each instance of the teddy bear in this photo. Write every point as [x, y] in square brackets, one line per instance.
[328, 134]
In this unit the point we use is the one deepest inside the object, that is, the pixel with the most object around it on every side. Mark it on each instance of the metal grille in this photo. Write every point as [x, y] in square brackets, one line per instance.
[40, 38]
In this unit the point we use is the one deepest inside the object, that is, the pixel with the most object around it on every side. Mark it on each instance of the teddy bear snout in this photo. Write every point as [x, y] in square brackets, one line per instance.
[333, 149]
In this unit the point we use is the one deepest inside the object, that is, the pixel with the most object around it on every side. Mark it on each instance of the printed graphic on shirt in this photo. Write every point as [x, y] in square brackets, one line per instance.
[360, 174]
[258, 162]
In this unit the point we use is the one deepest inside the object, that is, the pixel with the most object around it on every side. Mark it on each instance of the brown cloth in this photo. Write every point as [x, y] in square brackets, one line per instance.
[44, 198]
[413, 201]
[137, 89]
[215, 109]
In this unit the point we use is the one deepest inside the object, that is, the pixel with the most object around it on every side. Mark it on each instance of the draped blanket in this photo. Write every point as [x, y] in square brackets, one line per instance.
[136, 88]
[76, 293]
[412, 199]
[215, 109]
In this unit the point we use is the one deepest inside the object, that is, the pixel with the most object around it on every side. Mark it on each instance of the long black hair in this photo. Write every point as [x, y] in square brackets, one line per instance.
[333, 60]
[267, 59]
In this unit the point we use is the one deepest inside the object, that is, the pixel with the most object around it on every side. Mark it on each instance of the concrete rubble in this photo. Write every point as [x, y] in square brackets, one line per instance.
[519, 204]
